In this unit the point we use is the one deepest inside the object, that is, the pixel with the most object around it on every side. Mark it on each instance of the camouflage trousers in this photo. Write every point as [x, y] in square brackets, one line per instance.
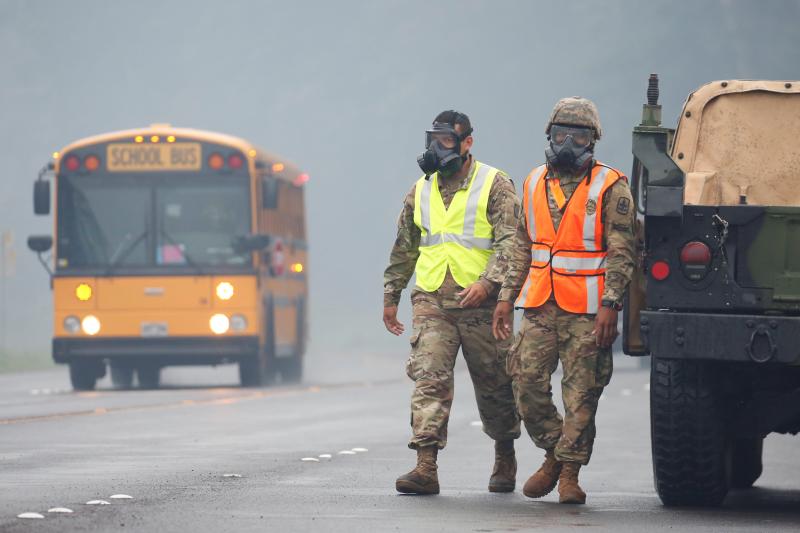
[438, 333]
[549, 334]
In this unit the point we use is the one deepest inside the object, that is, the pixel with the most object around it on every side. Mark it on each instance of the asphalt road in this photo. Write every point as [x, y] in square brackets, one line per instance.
[204, 455]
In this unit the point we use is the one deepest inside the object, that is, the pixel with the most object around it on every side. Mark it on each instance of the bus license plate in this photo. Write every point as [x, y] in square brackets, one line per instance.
[154, 329]
[138, 157]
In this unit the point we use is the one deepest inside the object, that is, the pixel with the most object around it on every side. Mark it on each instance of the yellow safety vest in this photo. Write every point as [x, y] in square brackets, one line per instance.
[459, 237]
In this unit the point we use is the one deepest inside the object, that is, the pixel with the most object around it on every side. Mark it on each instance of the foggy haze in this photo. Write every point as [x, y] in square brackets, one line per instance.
[345, 90]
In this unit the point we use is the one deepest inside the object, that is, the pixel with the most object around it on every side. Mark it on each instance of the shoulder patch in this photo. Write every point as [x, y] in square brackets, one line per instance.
[623, 206]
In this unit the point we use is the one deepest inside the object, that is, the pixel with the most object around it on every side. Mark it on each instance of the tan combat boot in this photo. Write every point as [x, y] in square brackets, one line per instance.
[423, 479]
[504, 474]
[568, 489]
[543, 480]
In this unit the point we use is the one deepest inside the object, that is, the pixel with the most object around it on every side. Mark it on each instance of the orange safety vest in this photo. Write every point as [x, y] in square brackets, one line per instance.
[569, 263]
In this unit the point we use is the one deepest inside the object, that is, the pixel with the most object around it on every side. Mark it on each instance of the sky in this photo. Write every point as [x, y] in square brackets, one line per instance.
[345, 90]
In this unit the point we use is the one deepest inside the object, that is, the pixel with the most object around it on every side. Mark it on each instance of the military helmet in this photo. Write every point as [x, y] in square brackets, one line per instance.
[576, 111]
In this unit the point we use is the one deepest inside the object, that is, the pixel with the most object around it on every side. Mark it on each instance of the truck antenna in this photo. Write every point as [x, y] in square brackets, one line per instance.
[651, 111]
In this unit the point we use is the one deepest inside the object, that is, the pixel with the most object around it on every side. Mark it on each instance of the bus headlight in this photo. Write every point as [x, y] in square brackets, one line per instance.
[90, 325]
[219, 324]
[72, 325]
[225, 290]
[238, 323]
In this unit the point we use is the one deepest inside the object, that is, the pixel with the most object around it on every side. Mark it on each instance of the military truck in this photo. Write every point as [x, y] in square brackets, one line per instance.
[715, 301]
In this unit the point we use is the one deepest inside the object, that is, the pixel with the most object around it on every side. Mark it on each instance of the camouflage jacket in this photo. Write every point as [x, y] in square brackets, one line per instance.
[503, 213]
[618, 239]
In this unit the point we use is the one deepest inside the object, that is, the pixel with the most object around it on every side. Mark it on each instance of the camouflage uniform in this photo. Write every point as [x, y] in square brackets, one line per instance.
[441, 326]
[549, 334]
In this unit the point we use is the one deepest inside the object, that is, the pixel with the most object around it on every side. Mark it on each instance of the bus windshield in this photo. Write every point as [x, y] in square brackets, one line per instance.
[152, 221]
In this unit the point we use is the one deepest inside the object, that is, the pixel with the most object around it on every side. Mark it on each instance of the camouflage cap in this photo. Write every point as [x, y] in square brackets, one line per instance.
[576, 111]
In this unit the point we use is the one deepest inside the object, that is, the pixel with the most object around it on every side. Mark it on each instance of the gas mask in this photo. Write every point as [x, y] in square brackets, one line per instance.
[442, 150]
[571, 147]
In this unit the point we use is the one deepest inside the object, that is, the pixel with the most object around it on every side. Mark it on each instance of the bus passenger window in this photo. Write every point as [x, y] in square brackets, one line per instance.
[269, 193]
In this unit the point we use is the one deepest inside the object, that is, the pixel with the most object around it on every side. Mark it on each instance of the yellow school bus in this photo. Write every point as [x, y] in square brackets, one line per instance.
[174, 246]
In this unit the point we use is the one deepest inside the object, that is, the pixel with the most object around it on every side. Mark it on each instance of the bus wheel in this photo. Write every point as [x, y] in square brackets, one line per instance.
[121, 375]
[250, 374]
[291, 369]
[83, 375]
[254, 372]
[149, 376]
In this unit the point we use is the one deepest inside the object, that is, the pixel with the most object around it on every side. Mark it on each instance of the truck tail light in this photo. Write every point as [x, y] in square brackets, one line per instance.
[695, 260]
[659, 270]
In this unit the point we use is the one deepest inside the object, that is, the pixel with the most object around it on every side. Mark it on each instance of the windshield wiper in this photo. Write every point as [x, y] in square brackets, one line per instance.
[124, 251]
[191, 262]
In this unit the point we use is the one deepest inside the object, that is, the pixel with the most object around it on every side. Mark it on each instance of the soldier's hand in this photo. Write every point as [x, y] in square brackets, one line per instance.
[473, 296]
[390, 320]
[503, 320]
[605, 326]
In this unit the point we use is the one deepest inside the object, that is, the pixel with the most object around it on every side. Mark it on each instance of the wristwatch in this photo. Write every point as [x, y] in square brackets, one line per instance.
[611, 304]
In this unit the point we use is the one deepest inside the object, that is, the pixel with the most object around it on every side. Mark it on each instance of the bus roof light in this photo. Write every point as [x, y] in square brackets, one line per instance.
[138, 139]
[215, 161]
[171, 139]
[301, 179]
[278, 167]
[155, 139]
[72, 162]
[91, 162]
[235, 161]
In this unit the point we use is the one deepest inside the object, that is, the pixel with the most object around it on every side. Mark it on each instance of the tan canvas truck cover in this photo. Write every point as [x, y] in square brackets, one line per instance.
[738, 142]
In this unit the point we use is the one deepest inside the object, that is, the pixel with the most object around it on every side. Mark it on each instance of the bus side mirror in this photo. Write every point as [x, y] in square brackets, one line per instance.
[40, 243]
[269, 193]
[41, 197]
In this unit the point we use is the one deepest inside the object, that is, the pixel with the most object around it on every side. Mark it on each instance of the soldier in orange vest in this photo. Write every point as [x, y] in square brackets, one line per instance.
[573, 259]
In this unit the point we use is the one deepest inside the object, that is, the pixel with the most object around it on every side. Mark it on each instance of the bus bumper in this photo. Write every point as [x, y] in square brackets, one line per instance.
[166, 350]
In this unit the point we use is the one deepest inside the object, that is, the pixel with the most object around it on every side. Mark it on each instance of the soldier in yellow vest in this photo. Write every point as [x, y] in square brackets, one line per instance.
[573, 259]
[455, 231]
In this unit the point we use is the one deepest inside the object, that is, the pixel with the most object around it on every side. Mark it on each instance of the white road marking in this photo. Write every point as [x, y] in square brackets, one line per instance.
[310, 459]
[97, 502]
[121, 497]
[325, 456]
[59, 510]
[347, 452]
[232, 475]
[626, 392]
[34, 391]
[476, 423]
[30, 515]
[360, 450]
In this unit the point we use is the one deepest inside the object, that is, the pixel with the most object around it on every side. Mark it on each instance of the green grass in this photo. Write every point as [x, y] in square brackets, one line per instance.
[13, 361]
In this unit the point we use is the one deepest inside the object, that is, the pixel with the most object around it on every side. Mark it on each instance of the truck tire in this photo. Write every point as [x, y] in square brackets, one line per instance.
[746, 463]
[149, 376]
[691, 451]
[83, 375]
[121, 375]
